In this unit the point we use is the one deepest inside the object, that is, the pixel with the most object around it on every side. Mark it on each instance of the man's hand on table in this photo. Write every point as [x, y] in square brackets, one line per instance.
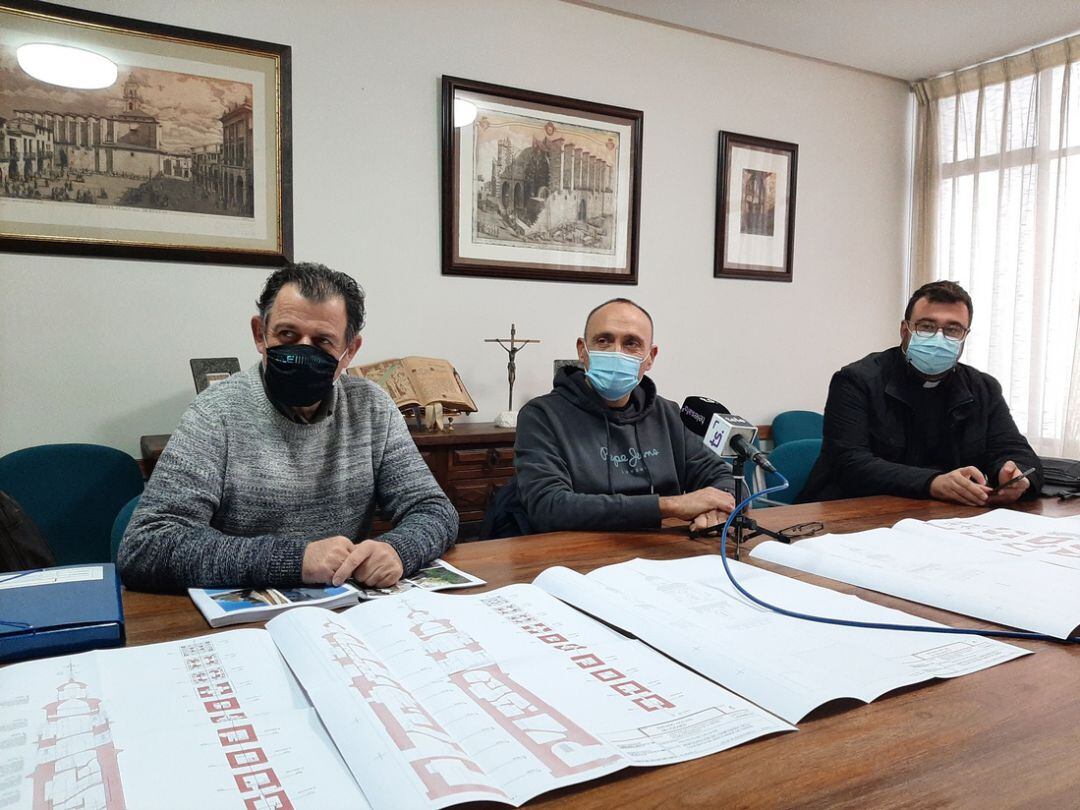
[714, 517]
[965, 485]
[969, 486]
[701, 504]
[335, 559]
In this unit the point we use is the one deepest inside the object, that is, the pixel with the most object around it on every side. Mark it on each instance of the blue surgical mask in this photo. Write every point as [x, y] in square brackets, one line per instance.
[933, 355]
[613, 375]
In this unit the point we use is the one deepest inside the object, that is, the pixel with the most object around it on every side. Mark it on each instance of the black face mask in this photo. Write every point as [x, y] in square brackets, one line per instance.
[298, 376]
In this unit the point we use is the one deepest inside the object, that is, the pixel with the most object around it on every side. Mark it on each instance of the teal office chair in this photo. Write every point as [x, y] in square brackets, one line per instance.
[73, 493]
[790, 426]
[121, 523]
[793, 460]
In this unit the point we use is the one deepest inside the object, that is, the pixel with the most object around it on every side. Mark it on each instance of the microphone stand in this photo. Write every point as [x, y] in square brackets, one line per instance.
[744, 523]
[738, 470]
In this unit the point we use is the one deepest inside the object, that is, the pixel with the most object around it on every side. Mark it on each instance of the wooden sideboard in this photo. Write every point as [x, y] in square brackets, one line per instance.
[469, 462]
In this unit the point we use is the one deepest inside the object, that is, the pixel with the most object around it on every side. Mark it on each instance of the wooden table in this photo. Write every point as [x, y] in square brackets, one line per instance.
[1008, 736]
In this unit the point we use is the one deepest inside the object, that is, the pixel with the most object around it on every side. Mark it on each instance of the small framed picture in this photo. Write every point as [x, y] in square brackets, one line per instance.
[755, 208]
[536, 186]
[207, 371]
[167, 143]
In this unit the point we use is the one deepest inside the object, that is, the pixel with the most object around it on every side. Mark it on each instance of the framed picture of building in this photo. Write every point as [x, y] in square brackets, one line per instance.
[182, 151]
[755, 208]
[537, 186]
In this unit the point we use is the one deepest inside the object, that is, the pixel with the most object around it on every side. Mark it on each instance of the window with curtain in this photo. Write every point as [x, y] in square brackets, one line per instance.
[997, 209]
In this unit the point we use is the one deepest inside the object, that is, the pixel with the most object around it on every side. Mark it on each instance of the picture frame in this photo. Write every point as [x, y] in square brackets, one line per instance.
[755, 208]
[187, 156]
[206, 371]
[538, 186]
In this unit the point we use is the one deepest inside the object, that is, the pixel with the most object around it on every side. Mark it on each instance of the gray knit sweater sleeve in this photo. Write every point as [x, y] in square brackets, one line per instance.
[170, 543]
[240, 490]
[408, 494]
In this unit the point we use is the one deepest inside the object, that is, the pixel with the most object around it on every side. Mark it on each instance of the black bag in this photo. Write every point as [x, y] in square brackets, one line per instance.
[1061, 477]
[22, 545]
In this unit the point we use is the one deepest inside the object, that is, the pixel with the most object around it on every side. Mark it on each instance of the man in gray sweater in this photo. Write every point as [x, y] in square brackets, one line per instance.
[272, 476]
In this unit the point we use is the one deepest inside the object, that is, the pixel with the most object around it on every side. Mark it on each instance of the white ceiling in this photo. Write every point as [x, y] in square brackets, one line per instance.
[905, 39]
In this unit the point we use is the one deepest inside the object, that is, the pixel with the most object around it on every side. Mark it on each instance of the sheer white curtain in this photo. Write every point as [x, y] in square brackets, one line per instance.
[997, 209]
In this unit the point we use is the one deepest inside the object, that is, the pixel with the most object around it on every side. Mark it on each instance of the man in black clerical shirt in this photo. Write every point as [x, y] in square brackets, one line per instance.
[914, 422]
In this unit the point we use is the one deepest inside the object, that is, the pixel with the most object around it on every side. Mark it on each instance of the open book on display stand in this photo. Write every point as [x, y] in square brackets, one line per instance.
[418, 382]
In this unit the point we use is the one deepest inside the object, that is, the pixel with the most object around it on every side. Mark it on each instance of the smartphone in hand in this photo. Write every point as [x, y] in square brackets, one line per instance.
[1015, 480]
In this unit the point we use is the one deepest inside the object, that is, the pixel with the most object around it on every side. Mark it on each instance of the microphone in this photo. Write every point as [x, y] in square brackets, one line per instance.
[697, 413]
[724, 433]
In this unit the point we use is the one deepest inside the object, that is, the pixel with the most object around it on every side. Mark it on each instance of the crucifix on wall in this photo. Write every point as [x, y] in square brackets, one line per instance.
[511, 345]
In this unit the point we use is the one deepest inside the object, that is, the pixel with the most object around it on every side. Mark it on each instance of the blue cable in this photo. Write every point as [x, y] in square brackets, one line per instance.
[911, 628]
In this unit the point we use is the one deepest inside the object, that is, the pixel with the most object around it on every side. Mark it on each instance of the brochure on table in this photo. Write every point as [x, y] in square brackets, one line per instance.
[1003, 566]
[689, 610]
[225, 606]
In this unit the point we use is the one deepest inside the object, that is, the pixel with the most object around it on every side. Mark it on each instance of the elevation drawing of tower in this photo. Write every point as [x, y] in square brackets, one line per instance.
[77, 759]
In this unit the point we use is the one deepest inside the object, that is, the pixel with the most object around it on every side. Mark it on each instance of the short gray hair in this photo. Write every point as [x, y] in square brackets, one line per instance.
[594, 310]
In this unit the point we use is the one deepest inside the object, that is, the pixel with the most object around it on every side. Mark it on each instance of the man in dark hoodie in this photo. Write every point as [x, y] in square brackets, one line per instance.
[603, 451]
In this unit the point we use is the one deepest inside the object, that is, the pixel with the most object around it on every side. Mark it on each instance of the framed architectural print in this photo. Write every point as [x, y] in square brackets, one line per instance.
[165, 143]
[538, 186]
[755, 208]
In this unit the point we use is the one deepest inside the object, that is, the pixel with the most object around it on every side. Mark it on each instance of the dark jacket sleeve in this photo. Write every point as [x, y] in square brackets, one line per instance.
[846, 440]
[547, 492]
[1004, 442]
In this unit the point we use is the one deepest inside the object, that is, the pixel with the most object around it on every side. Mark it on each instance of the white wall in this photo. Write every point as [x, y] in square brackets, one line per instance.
[97, 350]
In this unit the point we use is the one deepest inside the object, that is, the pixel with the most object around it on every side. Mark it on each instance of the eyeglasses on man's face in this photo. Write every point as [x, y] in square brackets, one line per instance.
[928, 329]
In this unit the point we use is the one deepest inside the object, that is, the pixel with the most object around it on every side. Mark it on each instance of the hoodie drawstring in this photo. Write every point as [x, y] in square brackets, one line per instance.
[644, 464]
[610, 486]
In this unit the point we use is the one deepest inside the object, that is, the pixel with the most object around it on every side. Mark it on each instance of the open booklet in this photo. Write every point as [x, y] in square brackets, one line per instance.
[225, 606]
[211, 722]
[429, 700]
[689, 610]
[435, 700]
[439, 576]
[419, 381]
[1003, 566]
